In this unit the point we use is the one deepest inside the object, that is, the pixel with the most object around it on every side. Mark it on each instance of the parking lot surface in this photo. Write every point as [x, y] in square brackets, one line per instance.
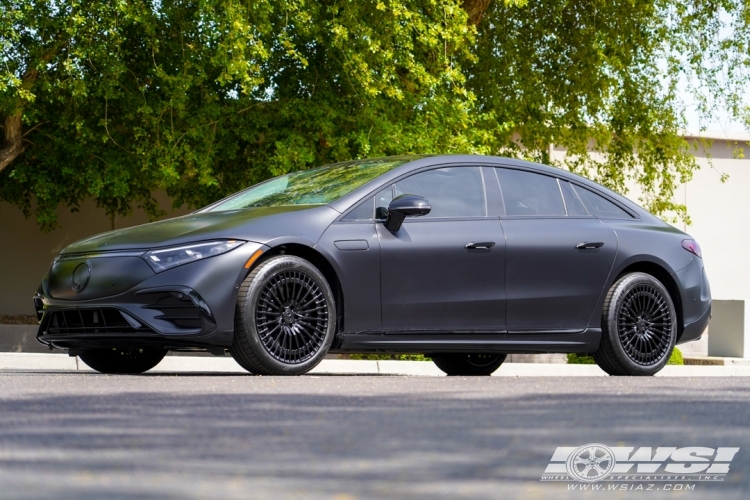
[193, 435]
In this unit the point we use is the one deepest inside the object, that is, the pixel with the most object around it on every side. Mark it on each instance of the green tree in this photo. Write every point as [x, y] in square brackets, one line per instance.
[114, 100]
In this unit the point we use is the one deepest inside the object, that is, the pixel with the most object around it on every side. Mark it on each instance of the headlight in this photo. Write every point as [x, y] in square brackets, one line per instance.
[167, 258]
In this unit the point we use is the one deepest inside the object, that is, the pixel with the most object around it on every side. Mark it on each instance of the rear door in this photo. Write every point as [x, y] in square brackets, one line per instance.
[558, 255]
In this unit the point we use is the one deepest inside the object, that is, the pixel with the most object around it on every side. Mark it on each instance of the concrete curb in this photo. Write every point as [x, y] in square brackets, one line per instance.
[10, 362]
[716, 361]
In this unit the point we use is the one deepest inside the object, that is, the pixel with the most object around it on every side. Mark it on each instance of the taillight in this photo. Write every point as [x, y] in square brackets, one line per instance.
[693, 247]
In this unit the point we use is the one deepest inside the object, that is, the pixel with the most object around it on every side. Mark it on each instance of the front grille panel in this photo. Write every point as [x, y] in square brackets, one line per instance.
[85, 321]
[177, 308]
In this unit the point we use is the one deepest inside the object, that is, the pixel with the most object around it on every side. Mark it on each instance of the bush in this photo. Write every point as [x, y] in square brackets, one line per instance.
[676, 358]
[580, 359]
[584, 359]
[384, 357]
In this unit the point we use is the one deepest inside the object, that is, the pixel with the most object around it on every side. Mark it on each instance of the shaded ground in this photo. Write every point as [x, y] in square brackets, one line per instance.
[82, 435]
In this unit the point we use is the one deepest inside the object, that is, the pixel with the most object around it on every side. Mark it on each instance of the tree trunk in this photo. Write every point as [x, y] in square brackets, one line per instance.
[476, 10]
[13, 143]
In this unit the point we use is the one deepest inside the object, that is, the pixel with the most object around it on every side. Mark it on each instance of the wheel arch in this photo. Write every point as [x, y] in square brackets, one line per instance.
[318, 260]
[665, 278]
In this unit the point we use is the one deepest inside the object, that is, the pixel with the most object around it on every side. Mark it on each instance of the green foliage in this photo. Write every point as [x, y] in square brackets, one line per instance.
[204, 97]
[385, 357]
[676, 358]
[582, 359]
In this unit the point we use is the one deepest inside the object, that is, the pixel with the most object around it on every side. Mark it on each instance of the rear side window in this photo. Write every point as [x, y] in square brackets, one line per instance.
[528, 193]
[452, 192]
[600, 206]
[572, 202]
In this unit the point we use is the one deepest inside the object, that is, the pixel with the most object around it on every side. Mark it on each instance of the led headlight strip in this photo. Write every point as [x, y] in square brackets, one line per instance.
[167, 258]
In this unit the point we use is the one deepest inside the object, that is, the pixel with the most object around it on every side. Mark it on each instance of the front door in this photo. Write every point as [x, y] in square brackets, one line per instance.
[432, 278]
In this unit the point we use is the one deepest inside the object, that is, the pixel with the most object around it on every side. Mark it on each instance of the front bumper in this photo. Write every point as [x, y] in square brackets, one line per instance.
[188, 306]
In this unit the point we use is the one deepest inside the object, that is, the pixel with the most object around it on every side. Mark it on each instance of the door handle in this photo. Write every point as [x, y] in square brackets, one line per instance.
[589, 246]
[484, 245]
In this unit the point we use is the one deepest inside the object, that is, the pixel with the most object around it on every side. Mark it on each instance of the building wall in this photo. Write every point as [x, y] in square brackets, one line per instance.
[719, 214]
[718, 211]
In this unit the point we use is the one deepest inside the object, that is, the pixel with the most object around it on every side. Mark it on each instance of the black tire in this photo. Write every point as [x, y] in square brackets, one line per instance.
[115, 360]
[285, 318]
[639, 327]
[468, 364]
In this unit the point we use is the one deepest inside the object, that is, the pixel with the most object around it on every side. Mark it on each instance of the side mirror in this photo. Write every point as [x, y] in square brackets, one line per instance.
[406, 205]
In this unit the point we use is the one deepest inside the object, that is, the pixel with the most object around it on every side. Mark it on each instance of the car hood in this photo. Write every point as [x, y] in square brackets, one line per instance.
[254, 224]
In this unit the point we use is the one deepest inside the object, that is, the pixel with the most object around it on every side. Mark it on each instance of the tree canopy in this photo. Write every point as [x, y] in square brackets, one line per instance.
[116, 100]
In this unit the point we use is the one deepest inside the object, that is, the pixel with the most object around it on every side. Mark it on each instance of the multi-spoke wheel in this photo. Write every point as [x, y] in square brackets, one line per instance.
[285, 318]
[116, 360]
[639, 327]
[471, 364]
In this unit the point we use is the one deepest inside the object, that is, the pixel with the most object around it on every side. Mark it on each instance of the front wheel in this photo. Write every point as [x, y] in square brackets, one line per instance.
[285, 318]
[468, 364]
[639, 327]
[116, 360]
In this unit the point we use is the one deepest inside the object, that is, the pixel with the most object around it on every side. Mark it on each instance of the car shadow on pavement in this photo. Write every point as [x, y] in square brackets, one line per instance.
[226, 436]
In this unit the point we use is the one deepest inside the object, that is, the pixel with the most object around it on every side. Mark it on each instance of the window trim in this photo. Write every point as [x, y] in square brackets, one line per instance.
[483, 162]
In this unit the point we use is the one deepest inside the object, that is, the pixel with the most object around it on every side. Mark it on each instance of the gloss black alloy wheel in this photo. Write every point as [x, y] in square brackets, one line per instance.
[639, 327]
[644, 323]
[123, 361]
[292, 316]
[285, 318]
[468, 364]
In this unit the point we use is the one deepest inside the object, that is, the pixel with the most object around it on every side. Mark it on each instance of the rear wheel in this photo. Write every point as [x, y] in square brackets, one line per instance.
[639, 327]
[285, 318]
[116, 360]
[468, 364]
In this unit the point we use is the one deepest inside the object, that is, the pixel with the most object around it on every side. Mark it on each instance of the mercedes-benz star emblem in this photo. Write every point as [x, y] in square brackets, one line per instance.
[80, 277]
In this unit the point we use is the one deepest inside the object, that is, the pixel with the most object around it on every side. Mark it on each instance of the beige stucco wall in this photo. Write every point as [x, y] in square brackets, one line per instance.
[26, 252]
[718, 211]
[719, 219]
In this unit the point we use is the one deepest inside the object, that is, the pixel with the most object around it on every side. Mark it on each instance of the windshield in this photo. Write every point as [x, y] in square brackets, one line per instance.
[317, 186]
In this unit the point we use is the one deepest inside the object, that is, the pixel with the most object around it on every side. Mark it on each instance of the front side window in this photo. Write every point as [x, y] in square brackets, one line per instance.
[452, 191]
[531, 194]
[318, 186]
[376, 206]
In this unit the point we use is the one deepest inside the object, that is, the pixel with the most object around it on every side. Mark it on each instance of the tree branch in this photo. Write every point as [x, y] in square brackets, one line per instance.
[12, 145]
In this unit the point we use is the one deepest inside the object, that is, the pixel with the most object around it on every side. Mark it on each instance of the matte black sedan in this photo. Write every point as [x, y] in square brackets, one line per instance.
[463, 258]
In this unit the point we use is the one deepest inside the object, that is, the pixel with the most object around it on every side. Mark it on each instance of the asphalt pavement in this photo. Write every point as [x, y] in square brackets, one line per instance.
[74, 434]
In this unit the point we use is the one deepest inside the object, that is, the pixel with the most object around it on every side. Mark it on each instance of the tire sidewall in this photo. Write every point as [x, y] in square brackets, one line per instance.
[458, 364]
[265, 272]
[624, 285]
